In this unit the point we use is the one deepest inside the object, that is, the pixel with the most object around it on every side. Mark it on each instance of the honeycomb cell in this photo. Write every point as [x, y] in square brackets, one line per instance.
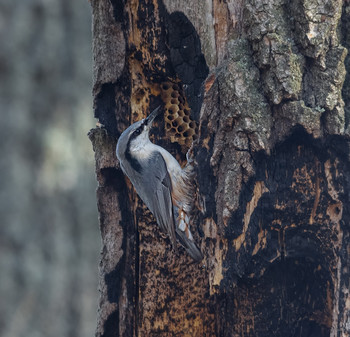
[192, 125]
[173, 109]
[179, 120]
[175, 101]
[175, 87]
[175, 94]
[165, 86]
[186, 119]
[170, 117]
[181, 113]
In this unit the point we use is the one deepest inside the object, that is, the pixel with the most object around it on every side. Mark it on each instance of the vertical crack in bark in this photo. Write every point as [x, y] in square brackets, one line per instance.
[317, 200]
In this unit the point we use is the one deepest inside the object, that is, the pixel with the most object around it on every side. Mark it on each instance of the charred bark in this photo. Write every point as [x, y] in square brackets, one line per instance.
[258, 87]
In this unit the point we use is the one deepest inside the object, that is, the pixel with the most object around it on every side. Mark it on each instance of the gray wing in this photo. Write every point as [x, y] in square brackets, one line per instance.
[157, 195]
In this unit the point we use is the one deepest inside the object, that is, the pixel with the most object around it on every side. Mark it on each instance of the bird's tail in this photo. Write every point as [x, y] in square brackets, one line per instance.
[184, 235]
[190, 246]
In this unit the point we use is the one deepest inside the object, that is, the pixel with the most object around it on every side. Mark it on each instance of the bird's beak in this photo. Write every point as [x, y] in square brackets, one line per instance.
[149, 120]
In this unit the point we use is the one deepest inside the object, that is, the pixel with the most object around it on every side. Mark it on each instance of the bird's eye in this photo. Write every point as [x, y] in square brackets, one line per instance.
[138, 131]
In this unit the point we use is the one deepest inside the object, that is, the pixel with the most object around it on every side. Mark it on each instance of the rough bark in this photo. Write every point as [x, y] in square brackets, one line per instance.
[262, 86]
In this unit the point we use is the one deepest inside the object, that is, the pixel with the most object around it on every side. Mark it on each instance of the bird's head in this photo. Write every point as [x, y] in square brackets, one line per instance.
[136, 135]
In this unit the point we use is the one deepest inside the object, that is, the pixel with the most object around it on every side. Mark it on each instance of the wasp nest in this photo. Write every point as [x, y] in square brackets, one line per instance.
[178, 122]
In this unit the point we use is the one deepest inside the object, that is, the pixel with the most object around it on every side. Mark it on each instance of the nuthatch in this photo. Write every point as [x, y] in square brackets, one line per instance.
[159, 180]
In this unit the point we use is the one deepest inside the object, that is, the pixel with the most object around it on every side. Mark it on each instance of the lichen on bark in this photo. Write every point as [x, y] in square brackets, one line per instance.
[244, 124]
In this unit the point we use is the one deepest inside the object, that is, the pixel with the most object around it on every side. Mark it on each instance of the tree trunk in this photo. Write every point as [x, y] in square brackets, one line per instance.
[258, 86]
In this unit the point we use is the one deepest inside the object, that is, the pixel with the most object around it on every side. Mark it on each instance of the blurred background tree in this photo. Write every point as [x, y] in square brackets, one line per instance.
[49, 238]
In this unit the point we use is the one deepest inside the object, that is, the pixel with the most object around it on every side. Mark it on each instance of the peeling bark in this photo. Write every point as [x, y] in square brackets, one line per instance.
[260, 88]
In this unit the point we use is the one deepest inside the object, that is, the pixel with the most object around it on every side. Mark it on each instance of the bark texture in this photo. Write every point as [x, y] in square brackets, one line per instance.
[260, 88]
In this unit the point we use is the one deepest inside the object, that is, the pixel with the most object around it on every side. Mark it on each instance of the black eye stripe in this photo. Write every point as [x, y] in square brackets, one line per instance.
[137, 132]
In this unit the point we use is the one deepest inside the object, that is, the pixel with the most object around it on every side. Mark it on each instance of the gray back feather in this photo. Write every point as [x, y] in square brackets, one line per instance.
[153, 186]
